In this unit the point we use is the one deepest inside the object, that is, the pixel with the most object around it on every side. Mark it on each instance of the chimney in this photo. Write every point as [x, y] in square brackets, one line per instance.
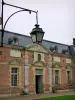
[73, 41]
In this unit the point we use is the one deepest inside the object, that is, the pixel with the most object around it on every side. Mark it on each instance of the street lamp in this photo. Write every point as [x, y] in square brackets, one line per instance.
[37, 34]
[21, 9]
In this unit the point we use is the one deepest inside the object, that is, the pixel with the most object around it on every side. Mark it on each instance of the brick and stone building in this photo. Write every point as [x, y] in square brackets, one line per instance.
[35, 68]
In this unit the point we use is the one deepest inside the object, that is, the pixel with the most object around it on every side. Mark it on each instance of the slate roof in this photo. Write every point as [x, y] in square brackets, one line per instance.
[53, 46]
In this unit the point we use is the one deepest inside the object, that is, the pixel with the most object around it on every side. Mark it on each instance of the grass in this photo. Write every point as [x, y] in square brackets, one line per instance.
[71, 97]
[68, 97]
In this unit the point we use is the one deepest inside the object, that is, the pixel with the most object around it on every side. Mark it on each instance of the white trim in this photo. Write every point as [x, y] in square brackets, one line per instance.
[66, 74]
[59, 74]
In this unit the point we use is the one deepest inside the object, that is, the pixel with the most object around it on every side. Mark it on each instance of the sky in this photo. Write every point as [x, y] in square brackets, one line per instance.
[56, 18]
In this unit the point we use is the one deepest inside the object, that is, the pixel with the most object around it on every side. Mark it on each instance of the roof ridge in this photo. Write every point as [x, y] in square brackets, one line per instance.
[56, 42]
[29, 37]
[16, 33]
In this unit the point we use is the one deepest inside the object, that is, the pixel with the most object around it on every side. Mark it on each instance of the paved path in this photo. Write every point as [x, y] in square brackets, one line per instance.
[37, 96]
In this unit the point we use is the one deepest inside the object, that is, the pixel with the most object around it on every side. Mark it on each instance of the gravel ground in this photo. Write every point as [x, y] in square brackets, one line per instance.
[36, 96]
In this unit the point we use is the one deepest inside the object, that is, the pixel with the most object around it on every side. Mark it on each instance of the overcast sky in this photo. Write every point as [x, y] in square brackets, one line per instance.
[56, 17]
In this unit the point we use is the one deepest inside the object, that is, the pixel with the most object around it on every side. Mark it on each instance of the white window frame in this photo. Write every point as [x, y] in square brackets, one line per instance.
[12, 82]
[59, 74]
[67, 76]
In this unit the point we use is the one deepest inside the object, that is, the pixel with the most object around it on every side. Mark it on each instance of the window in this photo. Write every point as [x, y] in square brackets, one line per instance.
[14, 77]
[56, 76]
[68, 77]
[39, 57]
[13, 40]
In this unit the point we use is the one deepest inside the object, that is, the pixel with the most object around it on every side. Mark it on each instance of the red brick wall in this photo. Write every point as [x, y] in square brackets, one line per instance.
[63, 70]
[73, 71]
[4, 75]
[30, 60]
[5, 54]
[31, 81]
[46, 84]
[4, 71]
[4, 78]
[63, 84]
[46, 58]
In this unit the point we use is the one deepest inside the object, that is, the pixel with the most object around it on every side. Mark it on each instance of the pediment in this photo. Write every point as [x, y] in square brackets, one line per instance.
[15, 62]
[37, 48]
[56, 65]
[68, 66]
[39, 64]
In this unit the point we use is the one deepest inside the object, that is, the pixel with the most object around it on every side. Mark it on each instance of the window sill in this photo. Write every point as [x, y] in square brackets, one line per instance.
[14, 86]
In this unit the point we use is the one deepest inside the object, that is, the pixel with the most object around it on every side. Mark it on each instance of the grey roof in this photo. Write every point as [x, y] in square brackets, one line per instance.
[26, 40]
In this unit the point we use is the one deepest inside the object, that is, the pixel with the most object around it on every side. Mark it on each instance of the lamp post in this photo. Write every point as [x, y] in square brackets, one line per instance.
[21, 9]
[36, 34]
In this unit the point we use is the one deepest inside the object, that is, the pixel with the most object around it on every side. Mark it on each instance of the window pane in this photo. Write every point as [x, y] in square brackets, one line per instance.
[14, 80]
[34, 37]
[39, 57]
[14, 76]
[69, 77]
[39, 37]
[14, 70]
[56, 77]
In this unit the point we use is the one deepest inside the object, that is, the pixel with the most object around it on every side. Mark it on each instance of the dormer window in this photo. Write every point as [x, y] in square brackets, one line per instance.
[54, 48]
[65, 51]
[39, 57]
[13, 40]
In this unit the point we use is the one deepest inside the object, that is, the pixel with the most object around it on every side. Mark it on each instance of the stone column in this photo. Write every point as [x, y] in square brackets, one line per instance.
[50, 71]
[26, 80]
[50, 78]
